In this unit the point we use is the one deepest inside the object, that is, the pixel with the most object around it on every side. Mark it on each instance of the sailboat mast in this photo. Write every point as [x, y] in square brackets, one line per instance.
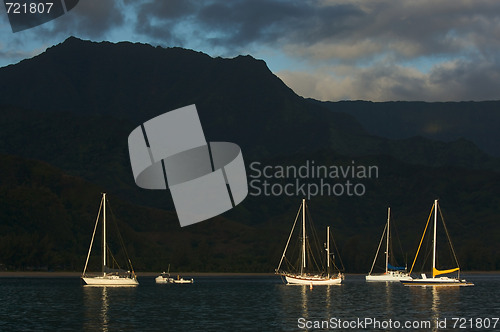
[303, 236]
[328, 250]
[104, 235]
[434, 241]
[387, 244]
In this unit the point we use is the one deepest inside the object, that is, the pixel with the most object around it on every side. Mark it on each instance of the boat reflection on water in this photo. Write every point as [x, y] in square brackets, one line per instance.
[96, 304]
[435, 303]
[99, 302]
[303, 295]
[306, 303]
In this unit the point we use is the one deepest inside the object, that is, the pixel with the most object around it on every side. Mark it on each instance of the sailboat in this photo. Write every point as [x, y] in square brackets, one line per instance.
[435, 280]
[108, 276]
[392, 273]
[302, 277]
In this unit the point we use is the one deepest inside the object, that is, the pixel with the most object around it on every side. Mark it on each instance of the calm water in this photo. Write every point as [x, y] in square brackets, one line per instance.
[238, 304]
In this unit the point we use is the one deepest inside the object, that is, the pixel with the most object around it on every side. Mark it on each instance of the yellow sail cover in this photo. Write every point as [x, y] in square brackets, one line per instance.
[436, 272]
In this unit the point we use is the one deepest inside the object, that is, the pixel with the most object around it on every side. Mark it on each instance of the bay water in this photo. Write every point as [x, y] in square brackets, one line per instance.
[246, 303]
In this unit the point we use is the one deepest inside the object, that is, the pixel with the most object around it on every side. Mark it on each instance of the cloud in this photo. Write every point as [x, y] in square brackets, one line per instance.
[89, 19]
[92, 19]
[454, 80]
[236, 24]
[406, 29]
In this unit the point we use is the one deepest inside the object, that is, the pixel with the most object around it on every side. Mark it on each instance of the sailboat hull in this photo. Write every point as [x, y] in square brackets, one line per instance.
[109, 281]
[442, 281]
[312, 280]
[389, 276]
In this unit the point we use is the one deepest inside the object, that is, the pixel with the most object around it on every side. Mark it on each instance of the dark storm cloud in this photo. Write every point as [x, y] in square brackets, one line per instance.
[327, 29]
[238, 23]
[471, 79]
[92, 19]
[244, 22]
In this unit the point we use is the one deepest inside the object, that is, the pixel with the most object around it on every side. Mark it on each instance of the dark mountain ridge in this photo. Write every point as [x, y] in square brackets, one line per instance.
[443, 121]
[135, 82]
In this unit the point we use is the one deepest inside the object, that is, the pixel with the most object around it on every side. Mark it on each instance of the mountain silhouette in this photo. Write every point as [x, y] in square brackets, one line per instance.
[238, 98]
[443, 121]
[136, 82]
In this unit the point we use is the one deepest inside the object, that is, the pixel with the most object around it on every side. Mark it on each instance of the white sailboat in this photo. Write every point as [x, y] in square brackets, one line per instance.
[302, 277]
[108, 277]
[435, 280]
[392, 273]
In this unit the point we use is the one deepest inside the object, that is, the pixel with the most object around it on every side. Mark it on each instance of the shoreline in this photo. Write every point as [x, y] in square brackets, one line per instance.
[64, 274]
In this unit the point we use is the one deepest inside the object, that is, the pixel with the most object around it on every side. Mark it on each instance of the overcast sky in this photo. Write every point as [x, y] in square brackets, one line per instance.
[379, 50]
